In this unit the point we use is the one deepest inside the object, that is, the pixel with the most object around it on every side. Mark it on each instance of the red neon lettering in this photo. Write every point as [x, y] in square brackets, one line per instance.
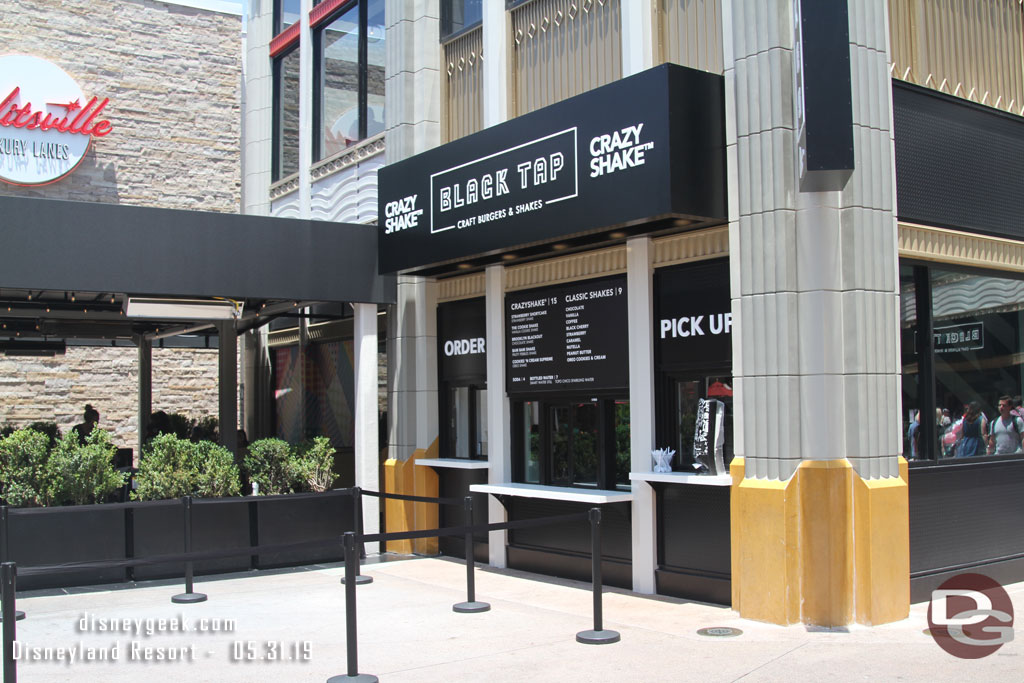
[82, 124]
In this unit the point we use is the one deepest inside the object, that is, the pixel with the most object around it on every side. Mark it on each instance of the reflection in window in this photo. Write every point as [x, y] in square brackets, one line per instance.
[457, 15]
[977, 355]
[286, 115]
[286, 13]
[350, 85]
[531, 442]
[683, 402]
[340, 99]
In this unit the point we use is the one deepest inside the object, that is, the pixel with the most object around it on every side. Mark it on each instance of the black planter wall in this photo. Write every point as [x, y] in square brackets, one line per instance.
[97, 533]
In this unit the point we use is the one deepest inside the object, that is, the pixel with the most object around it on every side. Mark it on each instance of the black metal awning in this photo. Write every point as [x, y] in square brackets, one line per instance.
[66, 268]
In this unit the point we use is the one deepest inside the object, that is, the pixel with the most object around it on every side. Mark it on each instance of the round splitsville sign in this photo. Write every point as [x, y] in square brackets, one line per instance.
[46, 121]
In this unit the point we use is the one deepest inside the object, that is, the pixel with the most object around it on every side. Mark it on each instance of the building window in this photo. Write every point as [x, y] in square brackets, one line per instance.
[286, 114]
[349, 88]
[954, 377]
[571, 441]
[459, 15]
[286, 13]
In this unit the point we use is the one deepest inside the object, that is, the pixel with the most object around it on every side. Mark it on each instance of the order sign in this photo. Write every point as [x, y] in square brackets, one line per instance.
[46, 122]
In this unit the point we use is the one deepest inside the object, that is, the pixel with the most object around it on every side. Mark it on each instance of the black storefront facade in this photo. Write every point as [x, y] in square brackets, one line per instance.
[553, 198]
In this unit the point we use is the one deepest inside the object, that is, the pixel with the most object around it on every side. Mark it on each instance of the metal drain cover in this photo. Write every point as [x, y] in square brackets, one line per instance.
[720, 632]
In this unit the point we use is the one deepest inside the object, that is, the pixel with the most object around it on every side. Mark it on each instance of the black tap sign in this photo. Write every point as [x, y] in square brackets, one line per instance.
[567, 338]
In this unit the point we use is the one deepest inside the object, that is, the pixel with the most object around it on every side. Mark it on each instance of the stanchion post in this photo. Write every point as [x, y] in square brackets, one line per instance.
[189, 596]
[471, 605]
[5, 552]
[351, 644]
[8, 575]
[597, 636]
[357, 521]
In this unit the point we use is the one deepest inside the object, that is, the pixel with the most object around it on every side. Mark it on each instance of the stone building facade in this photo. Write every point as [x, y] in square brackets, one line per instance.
[173, 74]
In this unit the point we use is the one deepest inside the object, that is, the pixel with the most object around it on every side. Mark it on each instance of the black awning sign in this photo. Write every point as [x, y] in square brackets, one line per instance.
[649, 147]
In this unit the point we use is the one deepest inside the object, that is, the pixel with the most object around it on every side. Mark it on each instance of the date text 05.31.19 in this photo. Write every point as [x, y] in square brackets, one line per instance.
[271, 651]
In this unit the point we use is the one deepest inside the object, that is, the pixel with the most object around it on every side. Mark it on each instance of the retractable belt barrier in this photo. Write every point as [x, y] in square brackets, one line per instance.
[350, 540]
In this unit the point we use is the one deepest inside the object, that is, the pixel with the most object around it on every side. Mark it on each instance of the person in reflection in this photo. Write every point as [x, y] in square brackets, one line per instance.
[1004, 437]
[914, 433]
[90, 417]
[972, 433]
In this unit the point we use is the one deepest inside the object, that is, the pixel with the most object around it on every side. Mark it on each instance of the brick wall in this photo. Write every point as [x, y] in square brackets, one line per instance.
[173, 75]
[57, 389]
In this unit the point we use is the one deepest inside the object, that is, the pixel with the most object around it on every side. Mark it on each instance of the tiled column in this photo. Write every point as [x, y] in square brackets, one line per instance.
[257, 122]
[815, 345]
[499, 428]
[367, 449]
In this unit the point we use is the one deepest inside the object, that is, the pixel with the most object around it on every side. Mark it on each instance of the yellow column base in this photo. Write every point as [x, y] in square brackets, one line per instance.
[402, 515]
[824, 548]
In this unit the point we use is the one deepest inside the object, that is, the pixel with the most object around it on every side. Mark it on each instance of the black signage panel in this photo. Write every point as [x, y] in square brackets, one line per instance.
[692, 315]
[646, 147]
[567, 338]
[461, 341]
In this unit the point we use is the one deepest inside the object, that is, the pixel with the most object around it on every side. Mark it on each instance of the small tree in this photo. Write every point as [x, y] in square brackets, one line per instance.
[317, 461]
[272, 464]
[49, 428]
[83, 474]
[215, 470]
[23, 470]
[165, 469]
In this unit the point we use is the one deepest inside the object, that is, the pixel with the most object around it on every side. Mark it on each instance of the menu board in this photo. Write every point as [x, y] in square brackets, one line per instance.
[566, 338]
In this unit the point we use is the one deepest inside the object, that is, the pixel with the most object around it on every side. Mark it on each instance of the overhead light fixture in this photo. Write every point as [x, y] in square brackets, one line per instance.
[182, 309]
[44, 349]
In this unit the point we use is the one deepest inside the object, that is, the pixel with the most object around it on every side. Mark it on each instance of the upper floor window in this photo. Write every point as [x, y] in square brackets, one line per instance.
[349, 85]
[286, 13]
[458, 15]
[286, 114]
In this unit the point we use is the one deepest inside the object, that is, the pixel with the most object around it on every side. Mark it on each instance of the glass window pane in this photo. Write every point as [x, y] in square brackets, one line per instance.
[375, 58]
[481, 423]
[287, 132]
[622, 449]
[458, 14]
[977, 336]
[560, 433]
[531, 442]
[460, 435]
[286, 13]
[339, 61]
[585, 444]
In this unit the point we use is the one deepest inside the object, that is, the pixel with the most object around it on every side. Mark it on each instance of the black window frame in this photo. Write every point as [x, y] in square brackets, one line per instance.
[279, 16]
[446, 34]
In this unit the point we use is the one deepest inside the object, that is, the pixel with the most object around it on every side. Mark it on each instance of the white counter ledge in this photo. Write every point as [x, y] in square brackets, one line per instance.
[682, 478]
[453, 463]
[576, 495]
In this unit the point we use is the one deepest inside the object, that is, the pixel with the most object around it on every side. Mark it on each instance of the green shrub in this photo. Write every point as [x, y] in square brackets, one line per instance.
[83, 474]
[49, 428]
[272, 464]
[216, 471]
[23, 471]
[181, 425]
[165, 469]
[172, 467]
[316, 458]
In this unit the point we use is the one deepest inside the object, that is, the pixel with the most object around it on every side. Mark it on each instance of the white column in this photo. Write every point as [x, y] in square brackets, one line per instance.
[640, 289]
[258, 96]
[499, 428]
[638, 40]
[496, 64]
[412, 368]
[367, 448]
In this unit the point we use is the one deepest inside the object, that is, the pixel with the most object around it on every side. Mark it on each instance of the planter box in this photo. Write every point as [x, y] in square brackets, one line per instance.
[60, 535]
[158, 529]
[285, 520]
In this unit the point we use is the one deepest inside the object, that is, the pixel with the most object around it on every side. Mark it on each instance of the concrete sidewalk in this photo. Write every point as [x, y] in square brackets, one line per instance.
[293, 623]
